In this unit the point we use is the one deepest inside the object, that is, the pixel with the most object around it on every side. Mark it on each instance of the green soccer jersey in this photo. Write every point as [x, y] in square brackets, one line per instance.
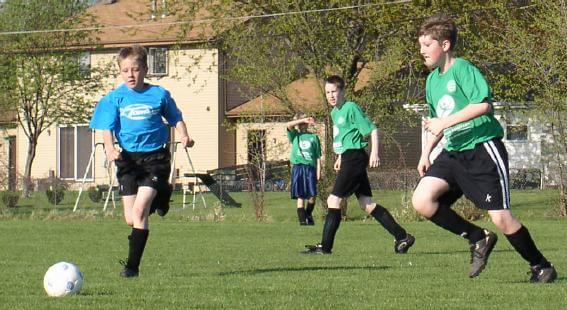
[461, 85]
[305, 147]
[350, 125]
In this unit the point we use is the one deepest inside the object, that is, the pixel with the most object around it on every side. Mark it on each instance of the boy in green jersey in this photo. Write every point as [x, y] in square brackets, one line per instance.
[474, 161]
[350, 126]
[306, 160]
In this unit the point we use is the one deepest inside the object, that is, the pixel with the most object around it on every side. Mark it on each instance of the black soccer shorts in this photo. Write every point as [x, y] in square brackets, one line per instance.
[352, 178]
[481, 174]
[136, 169]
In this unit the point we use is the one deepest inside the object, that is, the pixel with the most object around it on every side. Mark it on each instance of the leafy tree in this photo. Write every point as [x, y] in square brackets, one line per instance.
[41, 74]
[313, 39]
[366, 43]
[535, 53]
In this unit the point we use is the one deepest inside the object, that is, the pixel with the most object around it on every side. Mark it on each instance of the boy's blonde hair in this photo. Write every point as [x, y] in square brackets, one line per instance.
[138, 52]
[440, 27]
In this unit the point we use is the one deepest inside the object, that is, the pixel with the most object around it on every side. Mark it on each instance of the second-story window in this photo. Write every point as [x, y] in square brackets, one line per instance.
[157, 61]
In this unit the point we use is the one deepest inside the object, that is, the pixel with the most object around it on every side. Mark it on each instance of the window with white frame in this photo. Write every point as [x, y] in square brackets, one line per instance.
[517, 132]
[157, 61]
[75, 143]
[85, 64]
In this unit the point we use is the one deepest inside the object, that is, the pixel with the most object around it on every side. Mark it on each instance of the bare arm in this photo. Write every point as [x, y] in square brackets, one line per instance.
[424, 162]
[437, 125]
[181, 128]
[374, 157]
[291, 124]
[337, 165]
[318, 168]
[108, 140]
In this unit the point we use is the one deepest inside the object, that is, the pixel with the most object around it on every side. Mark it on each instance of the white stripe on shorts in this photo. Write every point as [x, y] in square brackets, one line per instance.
[499, 162]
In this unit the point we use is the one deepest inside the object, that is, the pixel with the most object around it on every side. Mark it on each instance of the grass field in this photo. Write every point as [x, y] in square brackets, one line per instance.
[193, 262]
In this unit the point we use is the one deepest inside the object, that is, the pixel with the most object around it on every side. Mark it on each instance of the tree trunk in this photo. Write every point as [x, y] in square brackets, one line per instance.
[27, 182]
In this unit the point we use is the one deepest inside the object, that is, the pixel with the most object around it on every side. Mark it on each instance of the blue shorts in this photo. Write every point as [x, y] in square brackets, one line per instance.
[303, 182]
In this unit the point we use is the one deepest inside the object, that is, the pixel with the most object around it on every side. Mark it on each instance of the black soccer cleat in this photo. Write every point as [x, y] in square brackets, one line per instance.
[128, 272]
[315, 249]
[310, 220]
[543, 273]
[402, 246]
[480, 251]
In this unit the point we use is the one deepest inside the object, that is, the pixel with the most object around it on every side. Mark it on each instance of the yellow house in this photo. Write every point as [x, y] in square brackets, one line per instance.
[265, 116]
[191, 73]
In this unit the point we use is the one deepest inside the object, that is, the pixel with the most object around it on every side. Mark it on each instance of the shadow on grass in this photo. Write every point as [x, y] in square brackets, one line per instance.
[457, 252]
[300, 269]
[96, 293]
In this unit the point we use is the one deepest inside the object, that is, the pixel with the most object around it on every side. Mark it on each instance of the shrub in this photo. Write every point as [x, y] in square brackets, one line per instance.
[468, 210]
[55, 194]
[95, 194]
[10, 199]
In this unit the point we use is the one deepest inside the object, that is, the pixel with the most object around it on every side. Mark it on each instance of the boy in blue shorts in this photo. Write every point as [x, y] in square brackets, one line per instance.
[350, 126]
[306, 160]
[133, 113]
[474, 161]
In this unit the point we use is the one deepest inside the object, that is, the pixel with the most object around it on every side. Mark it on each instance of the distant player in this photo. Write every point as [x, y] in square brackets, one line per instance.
[474, 161]
[306, 160]
[133, 113]
[350, 126]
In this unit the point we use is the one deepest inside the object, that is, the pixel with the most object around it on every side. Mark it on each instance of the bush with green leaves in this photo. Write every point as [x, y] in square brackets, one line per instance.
[95, 194]
[10, 198]
[55, 194]
[468, 210]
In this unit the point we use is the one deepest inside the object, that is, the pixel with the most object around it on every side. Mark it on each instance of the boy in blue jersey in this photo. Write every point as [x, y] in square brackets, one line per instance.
[133, 114]
[474, 161]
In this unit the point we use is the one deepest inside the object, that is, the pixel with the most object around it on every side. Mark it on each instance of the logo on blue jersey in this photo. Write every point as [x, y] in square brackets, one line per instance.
[138, 111]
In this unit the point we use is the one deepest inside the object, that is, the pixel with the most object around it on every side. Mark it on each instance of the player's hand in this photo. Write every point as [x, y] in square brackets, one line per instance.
[374, 160]
[423, 166]
[187, 141]
[337, 165]
[435, 125]
[113, 154]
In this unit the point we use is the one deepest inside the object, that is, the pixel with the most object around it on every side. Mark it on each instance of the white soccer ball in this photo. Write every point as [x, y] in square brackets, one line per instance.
[62, 279]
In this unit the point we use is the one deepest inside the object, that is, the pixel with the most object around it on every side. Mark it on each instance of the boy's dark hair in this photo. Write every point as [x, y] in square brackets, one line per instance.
[137, 51]
[299, 114]
[337, 81]
[440, 27]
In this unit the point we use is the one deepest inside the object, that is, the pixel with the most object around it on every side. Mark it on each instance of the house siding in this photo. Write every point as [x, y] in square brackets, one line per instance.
[277, 144]
[194, 84]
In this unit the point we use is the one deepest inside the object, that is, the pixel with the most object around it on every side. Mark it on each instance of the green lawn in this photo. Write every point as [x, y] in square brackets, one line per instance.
[193, 262]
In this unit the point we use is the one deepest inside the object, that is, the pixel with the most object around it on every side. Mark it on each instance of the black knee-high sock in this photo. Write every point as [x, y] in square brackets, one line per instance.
[137, 244]
[309, 208]
[385, 219]
[524, 244]
[301, 215]
[448, 219]
[332, 222]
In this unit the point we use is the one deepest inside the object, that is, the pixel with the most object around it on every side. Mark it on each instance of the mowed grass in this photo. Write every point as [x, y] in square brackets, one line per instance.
[192, 262]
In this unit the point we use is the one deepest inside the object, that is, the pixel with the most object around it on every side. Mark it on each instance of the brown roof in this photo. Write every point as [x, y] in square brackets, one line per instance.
[126, 22]
[305, 95]
[8, 117]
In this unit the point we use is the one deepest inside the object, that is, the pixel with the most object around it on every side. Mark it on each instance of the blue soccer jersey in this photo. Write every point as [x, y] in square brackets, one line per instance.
[135, 117]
